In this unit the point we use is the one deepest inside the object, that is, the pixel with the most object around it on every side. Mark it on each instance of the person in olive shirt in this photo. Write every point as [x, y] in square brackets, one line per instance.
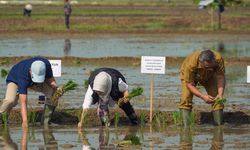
[206, 68]
[36, 74]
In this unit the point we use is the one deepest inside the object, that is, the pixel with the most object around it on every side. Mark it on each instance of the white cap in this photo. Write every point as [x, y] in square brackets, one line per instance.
[101, 82]
[28, 7]
[38, 71]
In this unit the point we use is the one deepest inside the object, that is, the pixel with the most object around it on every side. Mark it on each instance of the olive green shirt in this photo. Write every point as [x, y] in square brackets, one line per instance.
[192, 72]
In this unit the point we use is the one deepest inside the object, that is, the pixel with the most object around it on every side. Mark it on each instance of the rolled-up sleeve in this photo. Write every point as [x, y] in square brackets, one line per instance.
[88, 99]
[122, 85]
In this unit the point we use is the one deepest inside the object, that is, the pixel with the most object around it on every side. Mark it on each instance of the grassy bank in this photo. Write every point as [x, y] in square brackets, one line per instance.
[123, 17]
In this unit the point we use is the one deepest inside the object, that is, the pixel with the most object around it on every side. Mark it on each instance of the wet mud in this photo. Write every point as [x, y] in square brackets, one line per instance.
[70, 117]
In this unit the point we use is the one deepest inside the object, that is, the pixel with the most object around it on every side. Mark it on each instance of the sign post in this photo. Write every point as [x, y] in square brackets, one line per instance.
[152, 65]
[56, 66]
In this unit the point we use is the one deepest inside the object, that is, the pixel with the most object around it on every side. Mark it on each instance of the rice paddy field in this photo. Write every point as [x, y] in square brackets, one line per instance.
[109, 33]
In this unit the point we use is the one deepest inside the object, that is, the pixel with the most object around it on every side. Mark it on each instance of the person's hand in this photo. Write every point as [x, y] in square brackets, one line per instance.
[218, 97]
[25, 125]
[208, 99]
[79, 125]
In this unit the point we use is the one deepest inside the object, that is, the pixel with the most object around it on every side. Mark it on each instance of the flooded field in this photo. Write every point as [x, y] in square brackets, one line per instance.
[166, 88]
[124, 45]
[80, 55]
[68, 137]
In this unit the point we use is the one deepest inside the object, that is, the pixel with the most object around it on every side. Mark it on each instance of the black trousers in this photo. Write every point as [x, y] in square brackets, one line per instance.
[67, 21]
[130, 112]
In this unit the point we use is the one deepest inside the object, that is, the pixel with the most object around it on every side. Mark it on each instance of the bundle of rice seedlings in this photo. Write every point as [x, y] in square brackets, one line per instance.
[135, 92]
[70, 85]
[220, 101]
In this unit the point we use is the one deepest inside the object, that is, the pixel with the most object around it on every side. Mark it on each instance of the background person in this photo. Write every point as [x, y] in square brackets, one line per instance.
[67, 12]
[36, 74]
[206, 68]
[106, 87]
[27, 10]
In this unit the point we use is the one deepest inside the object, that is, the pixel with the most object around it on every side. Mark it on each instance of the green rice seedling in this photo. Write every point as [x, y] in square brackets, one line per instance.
[142, 117]
[160, 120]
[77, 61]
[192, 119]
[135, 92]
[130, 140]
[78, 114]
[86, 84]
[5, 62]
[5, 118]
[32, 116]
[117, 117]
[4, 73]
[177, 117]
[85, 118]
[220, 101]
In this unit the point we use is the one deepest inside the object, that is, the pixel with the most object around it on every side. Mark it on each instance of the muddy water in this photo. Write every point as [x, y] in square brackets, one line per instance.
[166, 87]
[124, 45]
[67, 137]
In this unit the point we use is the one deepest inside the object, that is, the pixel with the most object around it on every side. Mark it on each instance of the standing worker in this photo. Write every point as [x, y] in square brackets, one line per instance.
[106, 87]
[67, 12]
[36, 74]
[206, 68]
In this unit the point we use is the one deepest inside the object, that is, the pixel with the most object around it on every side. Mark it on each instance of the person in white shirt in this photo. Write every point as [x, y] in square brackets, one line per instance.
[106, 87]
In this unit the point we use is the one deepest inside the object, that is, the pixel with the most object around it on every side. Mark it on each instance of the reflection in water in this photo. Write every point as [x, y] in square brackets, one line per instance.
[6, 142]
[67, 47]
[84, 140]
[221, 47]
[24, 141]
[103, 138]
[217, 141]
[186, 139]
[49, 140]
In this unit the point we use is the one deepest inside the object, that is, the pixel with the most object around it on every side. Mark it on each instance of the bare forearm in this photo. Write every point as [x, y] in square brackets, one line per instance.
[194, 90]
[52, 83]
[83, 115]
[221, 84]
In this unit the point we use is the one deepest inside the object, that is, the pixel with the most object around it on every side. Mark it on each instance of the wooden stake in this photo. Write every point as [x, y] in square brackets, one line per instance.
[151, 97]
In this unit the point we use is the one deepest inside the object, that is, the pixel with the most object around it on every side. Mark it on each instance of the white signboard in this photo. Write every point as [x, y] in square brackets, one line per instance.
[248, 74]
[153, 64]
[56, 67]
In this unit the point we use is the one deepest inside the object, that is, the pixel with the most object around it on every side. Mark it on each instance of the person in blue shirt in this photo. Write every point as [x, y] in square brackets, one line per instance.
[36, 74]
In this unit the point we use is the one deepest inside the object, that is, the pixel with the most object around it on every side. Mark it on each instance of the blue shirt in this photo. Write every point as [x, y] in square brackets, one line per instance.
[19, 73]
